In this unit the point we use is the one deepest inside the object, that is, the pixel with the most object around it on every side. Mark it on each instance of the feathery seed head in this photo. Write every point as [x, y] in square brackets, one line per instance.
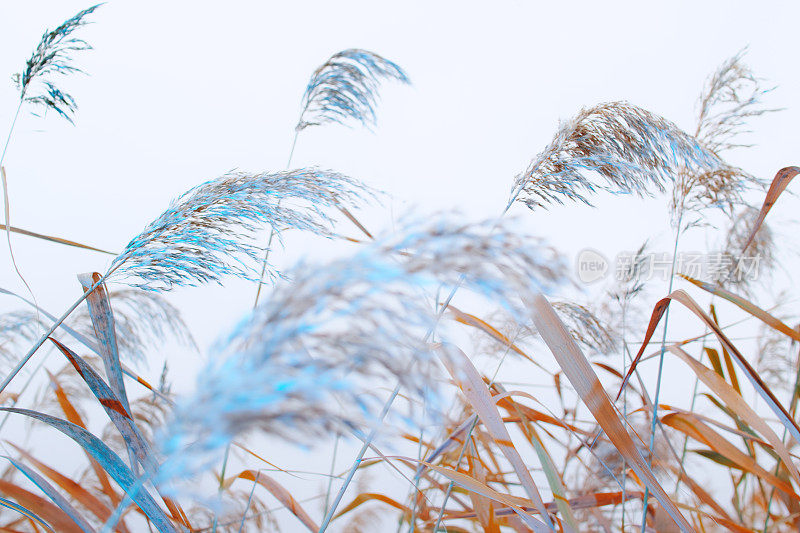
[346, 88]
[53, 57]
[630, 149]
[209, 231]
[309, 359]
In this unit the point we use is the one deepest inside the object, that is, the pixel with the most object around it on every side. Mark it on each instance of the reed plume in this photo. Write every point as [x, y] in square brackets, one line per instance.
[731, 97]
[629, 149]
[209, 232]
[143, 320]
[345, 87]
[53, 57]
[586, 327]
[18, 329]
[307, 361]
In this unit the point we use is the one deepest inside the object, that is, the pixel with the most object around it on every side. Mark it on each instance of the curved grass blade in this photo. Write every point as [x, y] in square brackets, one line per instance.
[515, 503]
[118, 414]
[778, 185]
[88, 343]
[746, 306]
[755, 380]
[578, 370]
[56, 519]
[136, 443]
[554, 479]
[738, 405]
[692, 426]
[365, 497]
[103, 322]
[74, 417]
[110, 462]
[24, 512]
[88, 500]
[586, 501]
[280, 493]
[53, 494]
[471, 384]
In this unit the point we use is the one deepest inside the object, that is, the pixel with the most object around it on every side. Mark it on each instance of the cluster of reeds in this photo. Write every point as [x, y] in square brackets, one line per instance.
[417, 311]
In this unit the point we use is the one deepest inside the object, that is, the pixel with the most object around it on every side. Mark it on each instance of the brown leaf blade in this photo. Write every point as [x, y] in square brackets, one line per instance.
[579, 371]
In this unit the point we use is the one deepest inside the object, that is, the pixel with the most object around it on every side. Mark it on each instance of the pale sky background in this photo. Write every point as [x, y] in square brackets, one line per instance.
[179, 93]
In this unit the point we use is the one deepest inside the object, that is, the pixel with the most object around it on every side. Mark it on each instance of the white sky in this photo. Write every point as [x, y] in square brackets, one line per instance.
[179, 93]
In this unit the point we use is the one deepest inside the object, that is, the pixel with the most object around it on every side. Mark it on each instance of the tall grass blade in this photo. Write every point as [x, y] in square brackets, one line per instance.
[580, 373]
[279, 492]
[778, 185]
[53, 494]
[110, 462]
[469, 381]
[752, 376]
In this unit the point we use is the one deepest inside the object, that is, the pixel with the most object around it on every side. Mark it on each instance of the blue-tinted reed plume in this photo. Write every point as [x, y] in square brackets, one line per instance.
[615, 147]
[307, 362]
[345, 88]
[209, 232]
[53, 57]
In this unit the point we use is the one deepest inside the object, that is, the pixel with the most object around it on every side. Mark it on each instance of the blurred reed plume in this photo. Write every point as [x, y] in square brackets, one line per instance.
[209, 232]
[53, 57]
[144, 320]
[17, 330]
[345, 87]
[300, 362]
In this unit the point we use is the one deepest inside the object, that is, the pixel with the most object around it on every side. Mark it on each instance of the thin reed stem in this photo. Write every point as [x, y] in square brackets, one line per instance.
[333, 466]
[249, 502]
[6, 202]
[222, 483]
[661, 366]
[792, 408]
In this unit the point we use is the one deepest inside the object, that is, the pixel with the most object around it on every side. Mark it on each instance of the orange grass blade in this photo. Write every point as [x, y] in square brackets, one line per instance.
[50, 513]
[471, 484]
[279, 492]
[73, 416]
[746, 306]
[579, 372]
[479, 397]
[755, 380]
[692, 426]
[364, 497]
[89, 501]
[737, 404]
[778, 185]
